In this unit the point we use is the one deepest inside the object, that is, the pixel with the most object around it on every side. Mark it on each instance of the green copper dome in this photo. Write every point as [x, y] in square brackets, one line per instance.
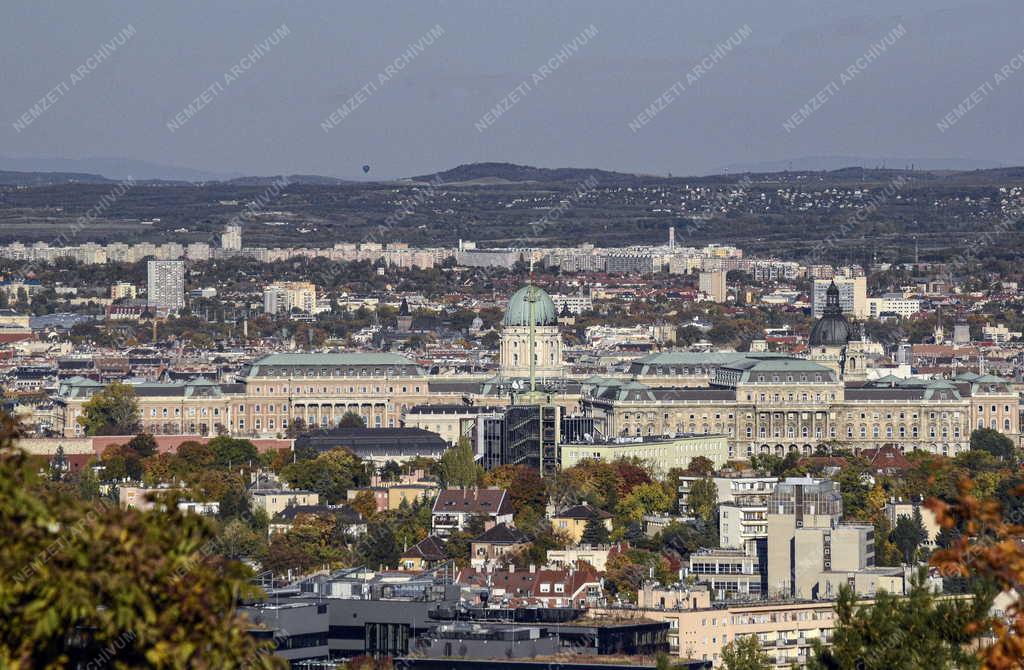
[518, 312]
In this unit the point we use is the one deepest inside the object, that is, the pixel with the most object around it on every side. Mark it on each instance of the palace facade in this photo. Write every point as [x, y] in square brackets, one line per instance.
[766, 403]
[761, 402]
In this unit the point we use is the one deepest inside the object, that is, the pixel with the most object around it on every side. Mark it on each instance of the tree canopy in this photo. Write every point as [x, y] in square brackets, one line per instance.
[745, 653]
[82, 578]
[112, 411]
[993, 442]
[458, 466]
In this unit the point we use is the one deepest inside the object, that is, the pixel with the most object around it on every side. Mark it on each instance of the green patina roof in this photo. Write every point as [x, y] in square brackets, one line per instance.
[598, 380]
[518, 311]
[787, 365]
[691, 358]
[348, 358]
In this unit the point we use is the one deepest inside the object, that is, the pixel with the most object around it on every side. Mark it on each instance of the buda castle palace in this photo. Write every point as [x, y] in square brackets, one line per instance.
[760, 402]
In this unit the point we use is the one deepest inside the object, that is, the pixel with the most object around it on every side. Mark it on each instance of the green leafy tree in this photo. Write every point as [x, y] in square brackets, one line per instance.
[119, 462]
[365, 503]
[310, 542]
[701, 465]
[331, 474]
[351, 420]
[855, 487]
[58, 464]
[644, 499]
[193, 457]
[703, 498]
[164, 602]
[235, 504]
[993, 442]
[112, 411]
[745, 653]
[526, 489]
[909, 534]
[683, 539]
[921, 630]
[231, 452]
[88, 484]
[143, 444]
[239, 540]
[296, 428]
[886, 553]
[458, 466]
[774, 465]
[595, 533]
[391, 471]
[379, 546]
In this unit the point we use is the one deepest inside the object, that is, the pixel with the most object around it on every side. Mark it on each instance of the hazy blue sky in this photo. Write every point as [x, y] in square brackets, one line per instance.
[268, 121]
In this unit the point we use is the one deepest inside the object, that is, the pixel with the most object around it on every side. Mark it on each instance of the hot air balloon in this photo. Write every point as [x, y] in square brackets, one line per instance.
[366, 168]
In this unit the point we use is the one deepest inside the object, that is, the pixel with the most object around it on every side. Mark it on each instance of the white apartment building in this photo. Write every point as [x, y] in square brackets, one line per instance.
[285, 296]
[577, 304]
[897, 304]
[166, 284]
[122, 290]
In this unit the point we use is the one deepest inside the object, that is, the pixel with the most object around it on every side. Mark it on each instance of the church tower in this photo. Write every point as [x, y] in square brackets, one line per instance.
[830, 336]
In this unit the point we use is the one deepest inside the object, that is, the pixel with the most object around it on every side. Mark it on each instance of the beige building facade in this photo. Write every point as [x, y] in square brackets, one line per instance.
[766, 403]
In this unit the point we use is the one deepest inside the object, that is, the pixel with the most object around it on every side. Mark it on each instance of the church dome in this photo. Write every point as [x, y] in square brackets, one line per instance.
[832, 329]
[518, 311]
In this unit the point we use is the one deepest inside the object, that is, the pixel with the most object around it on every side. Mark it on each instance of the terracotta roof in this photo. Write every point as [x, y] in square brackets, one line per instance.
[886, 458]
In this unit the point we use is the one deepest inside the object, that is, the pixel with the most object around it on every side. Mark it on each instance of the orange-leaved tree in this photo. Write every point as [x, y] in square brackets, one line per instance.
[987, 545]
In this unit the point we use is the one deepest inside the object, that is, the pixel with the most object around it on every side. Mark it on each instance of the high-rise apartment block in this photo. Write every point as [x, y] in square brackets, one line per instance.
[231, 238]
[712, 284]
[166, 284]
[283, 297]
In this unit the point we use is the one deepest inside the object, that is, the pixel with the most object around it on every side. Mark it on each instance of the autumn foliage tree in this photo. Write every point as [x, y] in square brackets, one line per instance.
[986, 543]
[79, 578]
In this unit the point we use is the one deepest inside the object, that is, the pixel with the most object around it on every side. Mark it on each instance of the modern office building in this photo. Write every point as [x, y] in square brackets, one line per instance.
[166, 284]
[747, 495]
[807, 539]
[892, 304]
[733, 573]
